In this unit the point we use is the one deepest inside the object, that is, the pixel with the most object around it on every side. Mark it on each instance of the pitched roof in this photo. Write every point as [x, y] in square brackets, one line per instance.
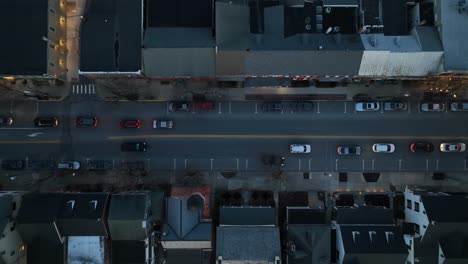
[83, 214]
[247, 215]
[455, 245]
[369, 239]
[311, 244]
[446, 208]
[186, 192]
[110, 36]
[260, 243]
[23, 24]
[301, 215]
[127, 215]
[364, 215]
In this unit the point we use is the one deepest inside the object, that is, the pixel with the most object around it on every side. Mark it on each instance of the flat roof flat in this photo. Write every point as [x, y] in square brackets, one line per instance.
[180, 13]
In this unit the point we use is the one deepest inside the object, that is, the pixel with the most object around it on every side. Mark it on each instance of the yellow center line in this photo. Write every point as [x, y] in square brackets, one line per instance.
[30, 142]
[237, 136]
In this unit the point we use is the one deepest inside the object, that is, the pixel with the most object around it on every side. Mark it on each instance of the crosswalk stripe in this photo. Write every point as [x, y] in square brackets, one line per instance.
[83, 89]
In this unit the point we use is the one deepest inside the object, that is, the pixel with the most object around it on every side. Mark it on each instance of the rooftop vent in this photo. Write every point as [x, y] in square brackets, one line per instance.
[71, 205]
[389, 236]
[372, 234]
[93, 204]
[355, 235]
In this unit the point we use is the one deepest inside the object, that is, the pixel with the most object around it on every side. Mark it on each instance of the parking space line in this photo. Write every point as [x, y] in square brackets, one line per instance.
[211, 164]
[299, 164]
[336, 164]
[437, 165]
[363, 165]
[345, 107]
[246, 163]
[81, 89]
[237, 161]
[175, 164]
[230, 112]
[409, 107]
[309, 164]
[256, 108]
[399, 165]
[373, 164]
[427, 165]
[318, 107]
[381, 109]
[219, 111]
[185, 163]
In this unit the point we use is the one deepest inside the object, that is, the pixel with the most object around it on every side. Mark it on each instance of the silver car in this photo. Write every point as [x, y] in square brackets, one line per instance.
[367, 106]
[432, 107]
[69, 165]
[459, 106]
[395, 106]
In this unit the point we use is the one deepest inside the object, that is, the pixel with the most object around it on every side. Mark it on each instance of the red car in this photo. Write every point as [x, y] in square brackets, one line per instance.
[204, 106]
[130, 123]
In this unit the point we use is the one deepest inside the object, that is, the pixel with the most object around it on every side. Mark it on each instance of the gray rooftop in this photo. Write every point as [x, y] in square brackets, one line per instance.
[299, 215]
[364, 215]
[455, 245]
[128, 252]
[311, 244]
[23, 24]
[446, 208]
[243, 243]
[128, 214]
[165, 37]
[247, 216]
[111, 35]
[453, 31]
[187, 256]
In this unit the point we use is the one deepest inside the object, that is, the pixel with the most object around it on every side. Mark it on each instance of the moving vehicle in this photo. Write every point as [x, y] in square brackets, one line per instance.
[458, 106]
[301, 106]
[6, 121]
[69, 165]
[299, 148]
[421, 147]
[272, 107]
[46, 121]
[98, 165]
[164, 124]
[395, 106]
[348, 150]
[452, 147]
[383, 148]
[367, 106]
[13, 164]
[179, 106]
[432, 107]
[134, 146]
[131, 123]
[204, 106]
[86, 121]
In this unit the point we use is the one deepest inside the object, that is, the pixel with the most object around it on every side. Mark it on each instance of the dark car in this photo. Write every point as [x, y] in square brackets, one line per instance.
[13, 164]
[134, 146]
[348, 150]
[99, 165]
[6, 121]
[180, 106]
[272, 107]
[134, 123]
[42, 165]
[421, 147]
[86, 121]
[46, 121]
[301, 106]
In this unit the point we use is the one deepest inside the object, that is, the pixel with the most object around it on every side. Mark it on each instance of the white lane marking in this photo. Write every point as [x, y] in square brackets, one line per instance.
[230, 108]
[345, 107]
[237, 161]
[336, 164]
[219, 112]
[256, 108]
[246, 163]
[427, 165]
[211, 162]
[85, 88]
[437, 165]
[35, 134]
[309, 164]
[73, 88]
[363, 165]
[299, 164]
[399, 165]
[318, 107]
[373, 164]
[381, 109]
[175, 164]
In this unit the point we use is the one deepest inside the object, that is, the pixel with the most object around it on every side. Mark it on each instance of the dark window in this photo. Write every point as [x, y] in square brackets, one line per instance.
[409, 204]
[52, 11]
[424, 212]
[424, 226]
[52, 29]
[416, 206]
[13, 227]
[416, 228]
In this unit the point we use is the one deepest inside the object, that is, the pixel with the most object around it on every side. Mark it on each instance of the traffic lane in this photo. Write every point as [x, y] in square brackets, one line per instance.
[32, 151]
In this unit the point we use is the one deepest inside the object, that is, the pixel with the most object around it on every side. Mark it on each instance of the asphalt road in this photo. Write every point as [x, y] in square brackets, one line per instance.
[236, 135]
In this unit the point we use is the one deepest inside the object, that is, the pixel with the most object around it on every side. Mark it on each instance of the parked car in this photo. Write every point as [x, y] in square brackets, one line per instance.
[367, 106]
[432, 107]
[131, 123]
[421, 147]
[163, 124]
[6, 121]
[46, 121]
[272, 107]
[395, 106]
[69, 165]
[452, 147]
[134, 146]
[179, 106]
[348, 150]
[13, 164]
[204, 106]
[301, 106]
[459, 106]
[99, 165]
[86, 121]
[42, 165]
[383, 148]
[299, 148]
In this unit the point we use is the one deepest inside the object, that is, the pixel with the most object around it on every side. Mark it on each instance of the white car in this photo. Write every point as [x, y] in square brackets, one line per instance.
[69, 165]
[164, 124]
[299, 148]
[452, 147]
[459, 106]
[383, 148]
[367, 106]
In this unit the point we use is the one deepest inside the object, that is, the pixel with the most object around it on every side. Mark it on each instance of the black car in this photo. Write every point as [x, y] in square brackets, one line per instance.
[134, 146]
[301, 106]
[86, 121]
[272, 107]
[46, 121]
[180, 106]
[421, 147]
[99, 165]
[6, 121]
[13, 164]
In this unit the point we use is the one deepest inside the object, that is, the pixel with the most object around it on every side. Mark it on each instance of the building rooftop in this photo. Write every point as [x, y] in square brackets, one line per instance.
[180, 13]
[111, 35]
[247, 215]
[304, 216]
[82, 247]
[23, 25]
[128, 252]
[446, 208]
[187, 256]
[309, 244]
[364, 215]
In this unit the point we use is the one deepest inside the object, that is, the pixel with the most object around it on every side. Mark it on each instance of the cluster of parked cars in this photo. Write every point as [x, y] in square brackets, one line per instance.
[402, 106]
[384, 148]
